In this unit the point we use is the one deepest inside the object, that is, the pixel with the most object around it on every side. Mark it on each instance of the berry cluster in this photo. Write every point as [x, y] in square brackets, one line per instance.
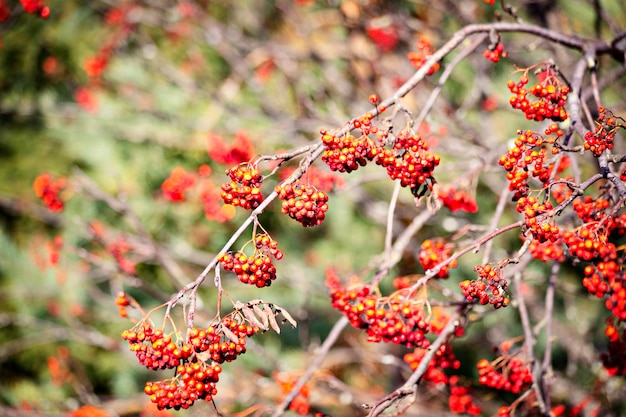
[456, 200]
[244, 188]
[507, 373]
[176, 184]
[49, 190]
[494, 54]
[257, 269]
[35, 7]
[222, 343]
[599, 215]
[444, 359]
[347, 153]
[489, 288]
[365, 125]
[596, 277]
[432, 253]
[594, 242]
[460, 400]
[548, 250]
[154, 349]
[196, 360]
[588, 243]
[614, 360]
[193, 381]
[604, 277]
[525, 159]
[264, 243]
[537, 219]
[408, 160]
[122, 301]
[602, 137]
[303, 203]
[550, 94]
[424, 51]
[394, 319]
[592, 210]
[616, 301]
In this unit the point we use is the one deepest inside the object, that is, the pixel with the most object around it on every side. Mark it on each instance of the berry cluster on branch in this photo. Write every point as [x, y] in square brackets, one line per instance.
[154, 349]
[258, 269]
[494, 54]
[432, 253]
[221, 343]
[489, 288]
[347, 153]
[49, 191]
[193, 382]
[550, 97]
[505, 373]
[601, 139]
[408, 160]
[394, 319]
[244, 188]
[197, 358]
[303, 203]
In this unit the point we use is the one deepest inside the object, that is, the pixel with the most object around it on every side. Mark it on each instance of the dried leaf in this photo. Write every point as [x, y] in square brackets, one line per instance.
[272, 318]
[249, 315]
[204, 356]
[230, 335]
[261, 315]
[288, 317]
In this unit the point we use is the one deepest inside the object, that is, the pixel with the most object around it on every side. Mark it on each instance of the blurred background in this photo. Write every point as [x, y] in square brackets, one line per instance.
[109, 97]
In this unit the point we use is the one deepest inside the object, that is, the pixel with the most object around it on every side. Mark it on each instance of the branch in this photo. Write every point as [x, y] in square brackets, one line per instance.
[547, 356]
[529, 342]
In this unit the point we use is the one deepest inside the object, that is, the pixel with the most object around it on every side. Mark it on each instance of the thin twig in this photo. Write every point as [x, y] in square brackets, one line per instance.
[504, 198]
[390, 216]
[546, 364]
[529, 341]
[444, 77]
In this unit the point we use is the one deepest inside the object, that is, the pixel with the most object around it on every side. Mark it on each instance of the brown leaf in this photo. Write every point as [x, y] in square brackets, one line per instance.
[249, 315]
[288, 317]
[272, 318]
[229, 334]
[261, 315]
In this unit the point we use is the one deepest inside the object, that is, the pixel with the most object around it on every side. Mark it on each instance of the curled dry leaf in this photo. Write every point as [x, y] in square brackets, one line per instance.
[252, 319]
[271, 316]
[262, 315]
[230, 335]
[287, 317]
